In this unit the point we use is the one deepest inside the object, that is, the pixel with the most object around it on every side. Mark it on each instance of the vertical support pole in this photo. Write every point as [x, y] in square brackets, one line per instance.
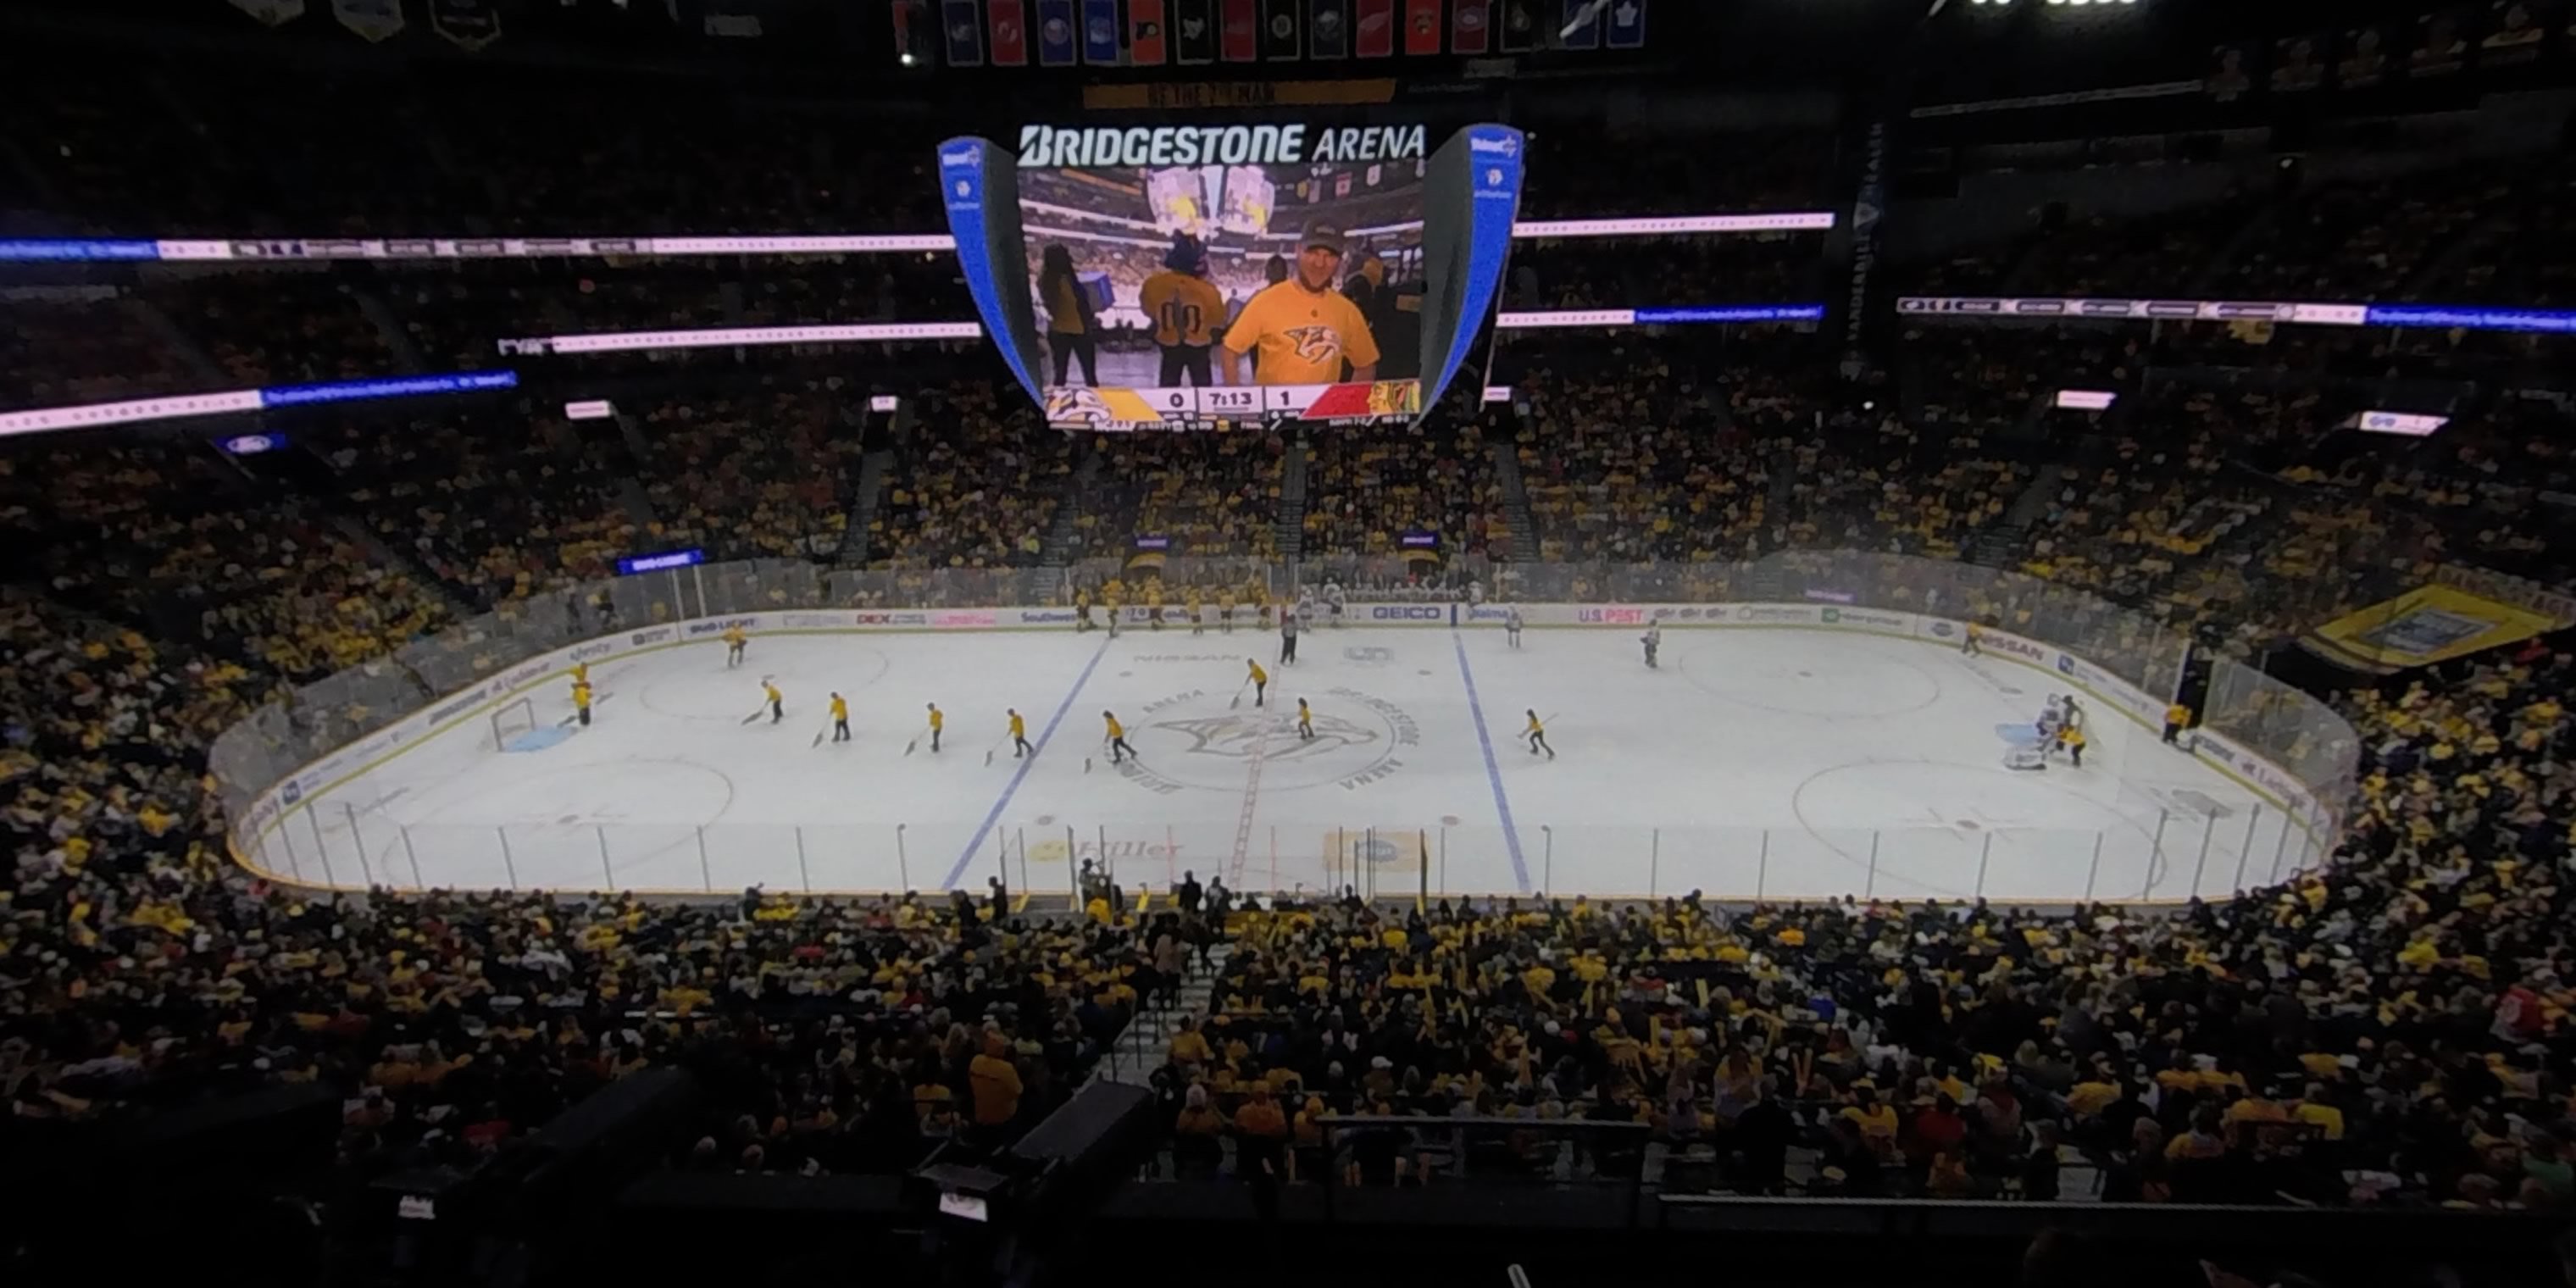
[902, 862]
[1364, 867]
[2246, 850]
[1274, 860]
[1444, 860]
[1171, 856]
[320, 846]
[1984, 854]
[804, 875]
[1002, 857]
[1870, 890]
[2095, 871]
[2201, 866]
[607, 877]
[1107, 867]
[409, 853]
[706, 874]
[365, 869]
[508, 861]
[1762, 868]
[2277, 848]
[1654, 862]
[1024, 860]
[1547, 875]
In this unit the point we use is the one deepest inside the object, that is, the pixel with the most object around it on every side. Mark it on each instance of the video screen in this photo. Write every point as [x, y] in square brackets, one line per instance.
[1219, 276]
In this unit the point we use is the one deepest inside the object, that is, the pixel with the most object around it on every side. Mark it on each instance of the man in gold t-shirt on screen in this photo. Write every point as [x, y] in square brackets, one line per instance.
[1303, 329]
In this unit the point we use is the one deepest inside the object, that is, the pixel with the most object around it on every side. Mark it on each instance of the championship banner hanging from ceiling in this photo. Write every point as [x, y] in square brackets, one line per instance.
[467, 24]
[376, 20]
[276, 13]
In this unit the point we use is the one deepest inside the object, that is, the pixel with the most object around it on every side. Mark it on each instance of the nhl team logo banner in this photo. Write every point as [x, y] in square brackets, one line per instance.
[1056, 47]
[1280, 41]
[1147, 37]
[1100, 32]
[276, 13]
[1008, 21]
[1240, 35]
[1193, 31]
[1627, 24]
[1471, 26]
[467, 24]
[1375, 34]
[1582, 28]
[1422, 26]
[964, 29]
[1329, 29]
[374, 19]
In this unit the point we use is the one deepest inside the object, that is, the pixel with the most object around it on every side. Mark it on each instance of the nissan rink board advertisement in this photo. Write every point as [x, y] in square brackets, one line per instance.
[1236, 275]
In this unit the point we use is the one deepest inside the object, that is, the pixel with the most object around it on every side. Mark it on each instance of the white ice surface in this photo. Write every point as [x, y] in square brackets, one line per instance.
[1754, 762]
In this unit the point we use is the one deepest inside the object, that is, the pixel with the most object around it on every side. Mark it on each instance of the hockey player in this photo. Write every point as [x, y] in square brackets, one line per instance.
[1968, 641]
[1537, 735]
[777, 704]
[1333, 601]
[1225, 608]
[1653, 639]
[2177, 719]
[1081, 611]
[1195, 603]
[2070, 739]
[1512, 626]
[938, 721]
[581, 701]
[1116, 738]
[1019, 735]
[1260, 680]
[1288, 639]
[840, 718]
[1305, 721]
[735, 641]
[1154, 603]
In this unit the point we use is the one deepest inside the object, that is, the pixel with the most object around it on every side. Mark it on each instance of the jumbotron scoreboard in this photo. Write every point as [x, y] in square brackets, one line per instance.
[1114, 410]
[1211, 277]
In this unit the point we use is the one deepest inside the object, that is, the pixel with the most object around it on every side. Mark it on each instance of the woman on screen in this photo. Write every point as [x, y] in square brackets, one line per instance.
[1073, 328]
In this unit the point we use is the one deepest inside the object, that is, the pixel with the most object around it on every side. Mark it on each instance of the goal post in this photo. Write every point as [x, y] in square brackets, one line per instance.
[512, 719]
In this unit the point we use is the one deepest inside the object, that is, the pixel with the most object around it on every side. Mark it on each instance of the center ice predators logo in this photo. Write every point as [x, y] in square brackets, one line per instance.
[1235, 736]
[1317, 343]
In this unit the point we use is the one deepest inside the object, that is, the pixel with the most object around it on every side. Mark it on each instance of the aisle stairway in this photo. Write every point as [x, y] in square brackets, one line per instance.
[1516, 507]
[1290, 523]
[1138, 1052]
[865, 497]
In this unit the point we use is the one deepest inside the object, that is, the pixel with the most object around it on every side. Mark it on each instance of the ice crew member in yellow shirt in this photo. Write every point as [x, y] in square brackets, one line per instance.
[581, 701]
[1305, 721]
[1303, 329]
[1117, 738]
[1537, 735]
[840, 718]
[777, 704]
[937, 723]
[1260, 681]
[734, 640]
[1019, 735]
[1185, 310]
[2071, 739]
[2177, 719]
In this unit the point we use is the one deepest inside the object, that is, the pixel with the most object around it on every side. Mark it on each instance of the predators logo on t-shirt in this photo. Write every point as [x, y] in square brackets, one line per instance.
[1315, 343]
[1302, 337]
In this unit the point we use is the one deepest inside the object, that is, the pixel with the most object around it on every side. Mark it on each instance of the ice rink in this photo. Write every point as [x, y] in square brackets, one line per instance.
[1754, 762]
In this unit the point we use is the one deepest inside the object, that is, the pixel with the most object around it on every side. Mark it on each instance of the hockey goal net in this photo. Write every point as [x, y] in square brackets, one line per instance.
[510, 721]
